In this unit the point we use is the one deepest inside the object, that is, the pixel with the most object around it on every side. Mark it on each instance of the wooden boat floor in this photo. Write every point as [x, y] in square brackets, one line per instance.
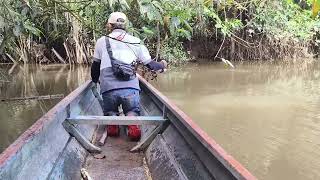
[119, 163]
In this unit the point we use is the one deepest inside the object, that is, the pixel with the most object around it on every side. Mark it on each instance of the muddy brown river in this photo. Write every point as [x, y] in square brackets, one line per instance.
[265, 115]
[30, 81]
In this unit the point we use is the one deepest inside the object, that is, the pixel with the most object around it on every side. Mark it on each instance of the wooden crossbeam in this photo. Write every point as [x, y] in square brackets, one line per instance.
[150, 137]
[80, 138]
[117, 120]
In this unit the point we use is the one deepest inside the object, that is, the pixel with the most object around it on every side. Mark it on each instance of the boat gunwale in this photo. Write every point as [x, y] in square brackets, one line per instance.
[37, 126]
[226, 159]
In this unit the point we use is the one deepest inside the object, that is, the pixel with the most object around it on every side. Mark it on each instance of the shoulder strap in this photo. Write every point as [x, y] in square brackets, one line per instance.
[109, 49]
[137, 43]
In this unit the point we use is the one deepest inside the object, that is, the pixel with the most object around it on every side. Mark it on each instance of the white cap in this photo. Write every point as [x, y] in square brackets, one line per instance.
[117, 18]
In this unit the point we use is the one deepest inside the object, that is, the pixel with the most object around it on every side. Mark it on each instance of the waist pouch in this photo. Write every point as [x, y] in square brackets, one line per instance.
[122, 71]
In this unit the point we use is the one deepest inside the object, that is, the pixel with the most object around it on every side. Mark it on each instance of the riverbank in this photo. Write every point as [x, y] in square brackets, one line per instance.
[65, 31]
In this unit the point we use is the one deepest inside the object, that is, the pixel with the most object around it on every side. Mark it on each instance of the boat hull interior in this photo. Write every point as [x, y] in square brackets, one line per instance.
[181, 151]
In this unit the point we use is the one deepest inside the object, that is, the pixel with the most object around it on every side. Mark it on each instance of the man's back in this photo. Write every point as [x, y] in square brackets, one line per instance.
[117, 90]
[125, 48]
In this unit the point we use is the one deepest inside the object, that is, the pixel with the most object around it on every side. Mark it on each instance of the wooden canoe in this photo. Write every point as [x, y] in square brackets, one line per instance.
[179, 150]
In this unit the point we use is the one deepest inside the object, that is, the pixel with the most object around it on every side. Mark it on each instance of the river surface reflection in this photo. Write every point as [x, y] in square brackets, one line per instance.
[265, 115]
[27, 81]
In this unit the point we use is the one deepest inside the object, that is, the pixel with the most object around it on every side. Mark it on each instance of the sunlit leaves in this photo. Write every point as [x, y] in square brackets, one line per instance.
[111, 4]
[315, 7]
[148, 31]
[2, 23]
[124, 4]
[187, 25]
[31, 28]
[12, 13]
[157, 5]
[151, 10]
[208, 3]
[17, 30]
[184, 33]
[285, 20]
[177, 19]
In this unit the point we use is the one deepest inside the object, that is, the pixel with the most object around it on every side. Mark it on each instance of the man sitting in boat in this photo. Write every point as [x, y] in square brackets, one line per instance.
[113, 60]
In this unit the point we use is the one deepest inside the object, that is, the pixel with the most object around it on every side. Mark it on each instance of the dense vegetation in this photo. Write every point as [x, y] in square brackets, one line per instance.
[45, 31]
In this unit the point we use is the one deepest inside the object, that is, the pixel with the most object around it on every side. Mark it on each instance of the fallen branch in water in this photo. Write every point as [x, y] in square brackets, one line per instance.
[4, 81]
[58, 56]
[11, 58]
[55, 96]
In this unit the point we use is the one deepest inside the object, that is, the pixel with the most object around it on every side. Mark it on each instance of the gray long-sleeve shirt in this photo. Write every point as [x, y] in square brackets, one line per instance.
[121, 51]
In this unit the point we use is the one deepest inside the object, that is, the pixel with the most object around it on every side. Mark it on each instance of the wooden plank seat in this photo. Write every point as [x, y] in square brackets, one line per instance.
[117, 120]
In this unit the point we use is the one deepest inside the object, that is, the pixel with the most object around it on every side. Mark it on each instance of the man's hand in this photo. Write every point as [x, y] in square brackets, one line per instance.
[165, 64]
[157, 66]
[96, 93]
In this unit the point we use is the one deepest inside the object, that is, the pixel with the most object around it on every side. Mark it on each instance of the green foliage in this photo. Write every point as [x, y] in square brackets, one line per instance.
[151, 10]
[174, 21]
[285, 20]
[174, 53]
[179, 18]
[315, 7]
[227, 26]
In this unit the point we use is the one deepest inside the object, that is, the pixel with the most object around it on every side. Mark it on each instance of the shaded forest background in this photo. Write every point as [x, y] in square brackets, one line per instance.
[64, 31]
